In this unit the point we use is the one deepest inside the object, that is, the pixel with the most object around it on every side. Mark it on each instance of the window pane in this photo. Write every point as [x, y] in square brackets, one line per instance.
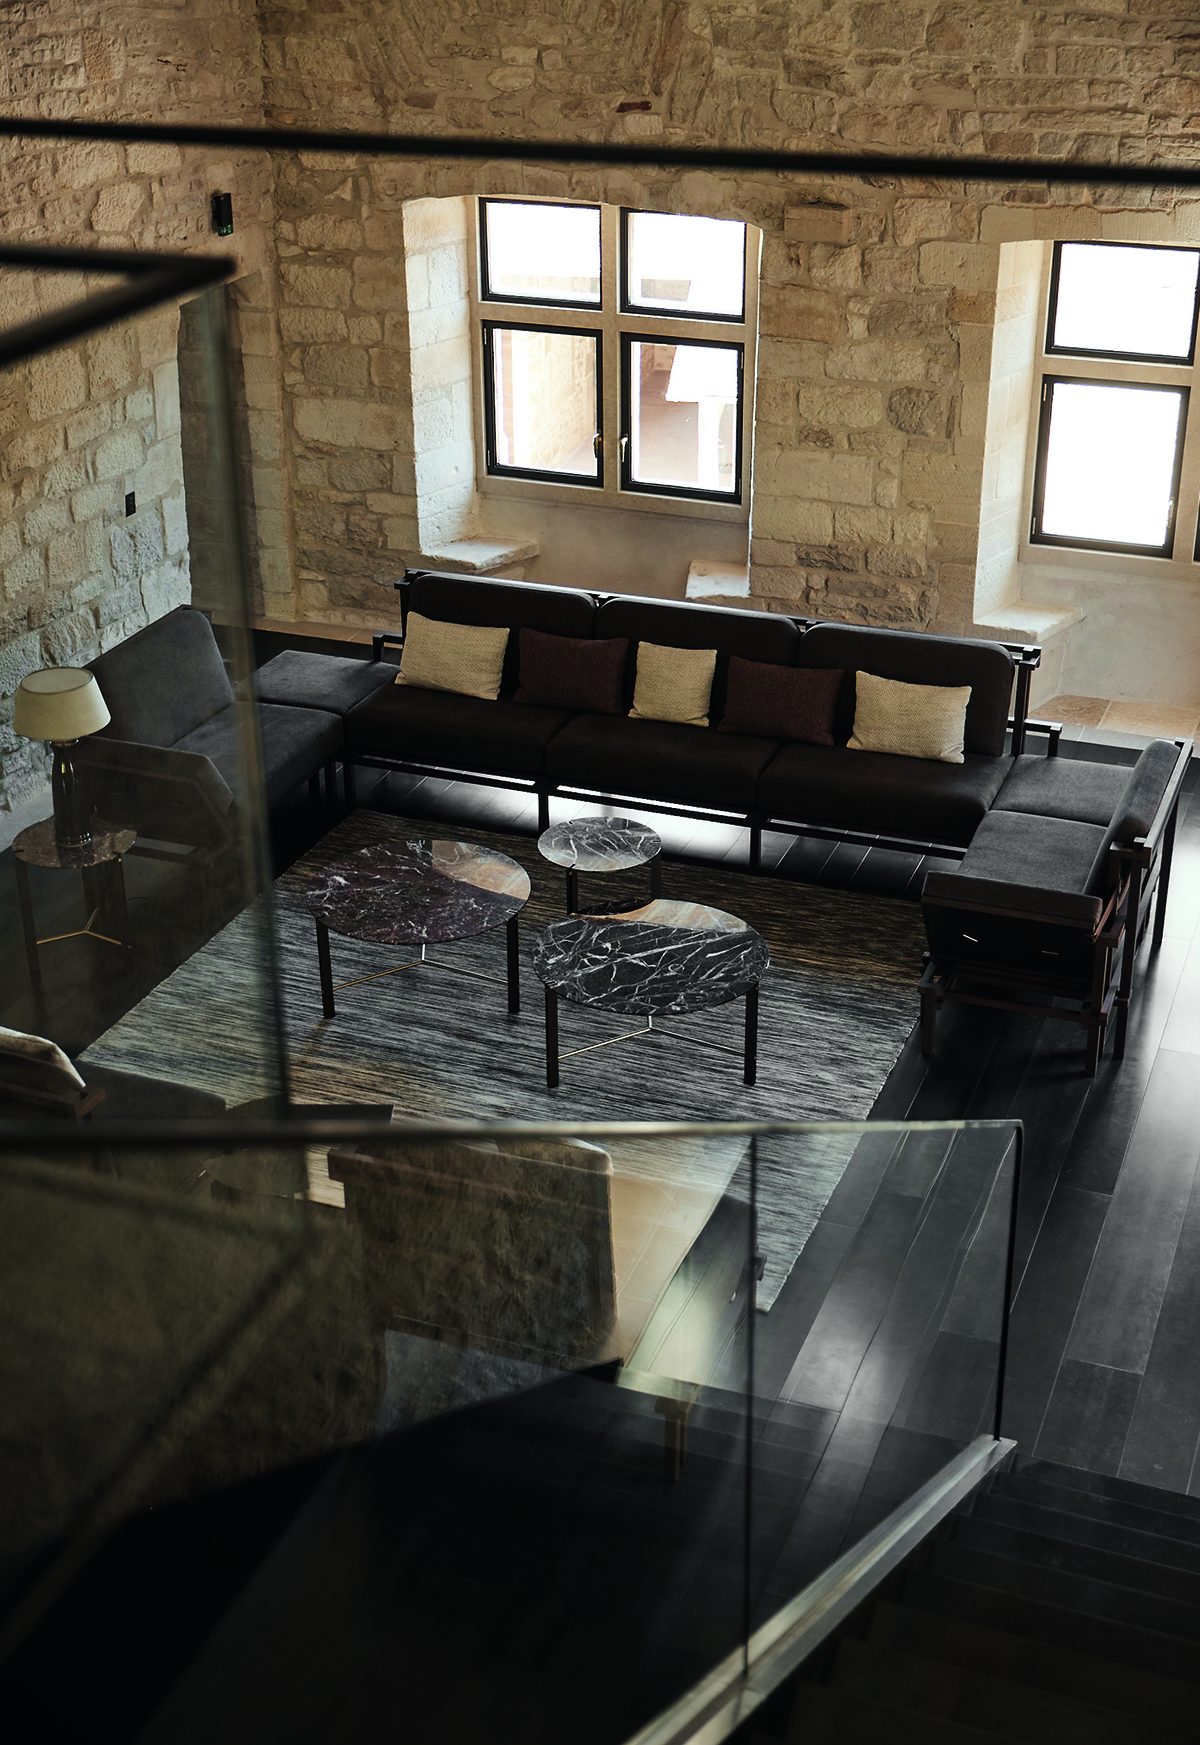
[684, 415]
[1139, 301]
[689, 266]
[543, 253]
[544, 400]
[1110, 463]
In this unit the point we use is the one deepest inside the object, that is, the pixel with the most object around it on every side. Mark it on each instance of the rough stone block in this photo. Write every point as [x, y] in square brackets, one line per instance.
[847, 408]
[315, 287]
[794, 312]
[960, 266]
[119, 454]
[783, 518]
[311, 326]
[877, 360]
[343, 423]
[342, 369]
[57, 384]
[379, 282]
[917, 411]
[820, 221]
[326, 231]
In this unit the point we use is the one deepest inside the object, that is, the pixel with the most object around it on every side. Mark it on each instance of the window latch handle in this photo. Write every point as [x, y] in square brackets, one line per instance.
[597, 444]
[623, 447]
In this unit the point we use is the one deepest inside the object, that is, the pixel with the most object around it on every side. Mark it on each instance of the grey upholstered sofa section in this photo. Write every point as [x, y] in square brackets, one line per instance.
[167, 686]
[1056, 867]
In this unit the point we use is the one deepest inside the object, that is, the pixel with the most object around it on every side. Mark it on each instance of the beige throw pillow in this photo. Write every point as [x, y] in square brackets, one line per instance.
[909, 720]
[465, 658]
[673, 684]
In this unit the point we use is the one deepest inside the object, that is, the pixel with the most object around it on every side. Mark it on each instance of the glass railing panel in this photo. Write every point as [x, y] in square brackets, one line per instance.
[535, 1399]
[125, 535]
[880, 1358]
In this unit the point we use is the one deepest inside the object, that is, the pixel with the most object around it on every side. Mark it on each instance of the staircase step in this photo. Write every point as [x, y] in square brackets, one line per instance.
[1072, 1529]
[1178, 1585]
[1102, 1484]
[1061, 1587]
[1037, 1659]
[1004, 1706]
[1141, 1517]
[823, 1716]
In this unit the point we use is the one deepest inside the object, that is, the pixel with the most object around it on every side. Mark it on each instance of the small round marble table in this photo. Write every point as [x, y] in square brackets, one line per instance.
[601, 845]
[422, 892]
[99, 862]
[663, 960]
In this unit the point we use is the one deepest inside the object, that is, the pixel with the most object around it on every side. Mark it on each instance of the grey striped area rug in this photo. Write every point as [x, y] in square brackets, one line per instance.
[836, 1007]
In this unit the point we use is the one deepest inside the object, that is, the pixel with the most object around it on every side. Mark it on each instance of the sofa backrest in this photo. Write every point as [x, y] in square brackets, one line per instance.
[164, 681]
[765, 636]
[453, 599]
[918, 659]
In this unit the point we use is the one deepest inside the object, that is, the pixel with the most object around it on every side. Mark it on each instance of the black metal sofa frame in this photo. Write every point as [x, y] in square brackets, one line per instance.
[375, 740]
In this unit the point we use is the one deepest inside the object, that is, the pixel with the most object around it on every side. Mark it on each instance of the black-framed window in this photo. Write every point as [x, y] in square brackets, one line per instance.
[676, 264]
[661, 370]
[542, 402]
[1123, 300]
[1109, 458]
[682, 402]
[542, 252]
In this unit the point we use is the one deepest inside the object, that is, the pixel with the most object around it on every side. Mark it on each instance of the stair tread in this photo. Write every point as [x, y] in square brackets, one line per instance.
[1094, 1505]
[1076, 1529]
[1003, 1704]
[1065, 1588]
[1105, 1485]
[823, 1716]
[1035, 1660]
[1087, 1561]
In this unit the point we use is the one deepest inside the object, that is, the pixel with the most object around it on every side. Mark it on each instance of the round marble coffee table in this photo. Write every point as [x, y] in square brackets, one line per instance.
[663, 960]
[424, 892]
[601, 845]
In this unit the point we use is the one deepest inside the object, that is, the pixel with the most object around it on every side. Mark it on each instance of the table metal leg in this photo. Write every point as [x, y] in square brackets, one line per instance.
[514, 967]
[115, 878]
[572, 891]
[30, 932]
[327, 1005]
[551, 1039]
[656, 878]
[751, 1073]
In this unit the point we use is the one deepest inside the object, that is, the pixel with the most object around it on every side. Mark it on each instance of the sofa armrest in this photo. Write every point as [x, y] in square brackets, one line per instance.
[382, 639]
[1051, 729]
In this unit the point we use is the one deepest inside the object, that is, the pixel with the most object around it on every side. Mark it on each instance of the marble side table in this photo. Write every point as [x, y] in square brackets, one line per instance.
[663, 960]
[422, 892]
[601, 845]
[99, 862]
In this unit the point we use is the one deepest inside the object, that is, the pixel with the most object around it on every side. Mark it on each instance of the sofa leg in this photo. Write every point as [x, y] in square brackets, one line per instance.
[348, 783]
[331, 787]
[756, 848]
[543, 800]
[1095, 1039]
[927, 988]
[314, 787]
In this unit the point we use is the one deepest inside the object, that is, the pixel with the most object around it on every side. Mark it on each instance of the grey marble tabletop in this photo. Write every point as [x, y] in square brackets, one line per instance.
[599, 845]
[36, 846]
[666, 957]
[418, 892]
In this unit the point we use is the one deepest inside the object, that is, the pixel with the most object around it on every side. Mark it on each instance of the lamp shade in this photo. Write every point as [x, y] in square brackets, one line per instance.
[59, 702]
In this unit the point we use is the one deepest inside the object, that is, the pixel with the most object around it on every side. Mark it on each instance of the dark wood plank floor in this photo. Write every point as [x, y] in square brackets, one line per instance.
[1102, 1371]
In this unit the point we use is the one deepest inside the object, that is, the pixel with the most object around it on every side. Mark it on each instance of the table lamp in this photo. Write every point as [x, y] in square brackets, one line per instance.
[62, 704]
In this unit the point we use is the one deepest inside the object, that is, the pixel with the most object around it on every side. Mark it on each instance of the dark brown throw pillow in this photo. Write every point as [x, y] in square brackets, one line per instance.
[781, 702]
[571, 672]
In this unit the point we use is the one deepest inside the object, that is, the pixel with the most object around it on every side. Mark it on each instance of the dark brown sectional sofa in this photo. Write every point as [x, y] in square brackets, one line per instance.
[702, 772]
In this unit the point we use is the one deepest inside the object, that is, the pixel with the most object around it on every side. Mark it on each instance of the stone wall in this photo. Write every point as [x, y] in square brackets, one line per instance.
[83, 426]
[876, 361]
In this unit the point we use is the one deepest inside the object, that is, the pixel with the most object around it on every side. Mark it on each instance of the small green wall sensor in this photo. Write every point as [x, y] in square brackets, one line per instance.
[222, 214]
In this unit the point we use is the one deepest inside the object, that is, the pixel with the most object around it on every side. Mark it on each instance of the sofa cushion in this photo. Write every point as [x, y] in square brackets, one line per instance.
[873, 791]
[164, 681]
[1139, 801]
[320, 681]
[780, 702]
[766, 636]
[467, 659]
[673, 684]
[519, 605]
[919, 659]
[1038, 865]
[452, 732]
[1063, 787]
[295, 744]
[572, 672]
[659, 759]
[909, 720]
